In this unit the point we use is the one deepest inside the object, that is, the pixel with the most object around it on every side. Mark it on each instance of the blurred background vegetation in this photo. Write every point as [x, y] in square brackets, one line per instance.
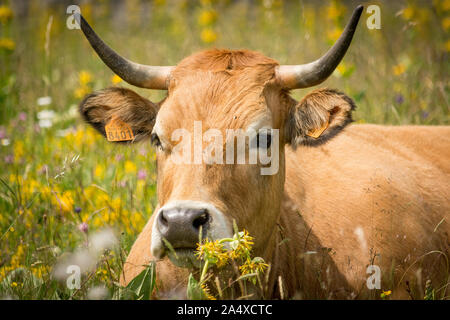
[60, 181]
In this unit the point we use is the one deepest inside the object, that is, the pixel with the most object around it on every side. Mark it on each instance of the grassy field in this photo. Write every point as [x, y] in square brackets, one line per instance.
[61, 183]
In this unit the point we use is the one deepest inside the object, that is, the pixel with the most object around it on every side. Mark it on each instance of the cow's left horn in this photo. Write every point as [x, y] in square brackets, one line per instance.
[311, 74]
[152, 77]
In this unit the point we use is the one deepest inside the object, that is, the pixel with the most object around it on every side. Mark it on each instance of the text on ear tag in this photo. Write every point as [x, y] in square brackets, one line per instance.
[317, 132]
[117, 130]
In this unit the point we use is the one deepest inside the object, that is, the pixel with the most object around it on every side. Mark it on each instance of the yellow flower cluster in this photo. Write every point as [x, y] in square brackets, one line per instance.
[421, 15]
[115, 79]
[217, 253]
[7, 44]
[214, 252]
[207, 17]
[206, 20]
[5, 14]
[398, 69]
[84, 79]
[208, 35]
[83, 137]
[335, 10]
[255, 265]
[17, 261]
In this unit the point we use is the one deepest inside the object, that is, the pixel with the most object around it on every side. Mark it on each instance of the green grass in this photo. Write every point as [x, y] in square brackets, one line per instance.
[397, 75]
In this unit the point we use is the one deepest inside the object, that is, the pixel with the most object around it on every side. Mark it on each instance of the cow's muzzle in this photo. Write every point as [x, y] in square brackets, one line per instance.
[183, 227]
[180, 225]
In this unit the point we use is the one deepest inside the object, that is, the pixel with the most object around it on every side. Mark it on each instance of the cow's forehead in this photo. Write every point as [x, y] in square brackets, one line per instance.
[224, 89]
[219, 100]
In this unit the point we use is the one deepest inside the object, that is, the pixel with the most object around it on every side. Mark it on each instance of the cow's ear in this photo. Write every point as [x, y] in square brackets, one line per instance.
[119, 114]
[318, 117]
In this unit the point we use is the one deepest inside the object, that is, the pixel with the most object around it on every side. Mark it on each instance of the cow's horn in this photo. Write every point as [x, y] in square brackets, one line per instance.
[311, 74]
[152, 77]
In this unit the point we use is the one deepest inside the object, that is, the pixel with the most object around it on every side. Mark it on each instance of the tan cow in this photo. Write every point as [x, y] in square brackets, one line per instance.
[345, 198]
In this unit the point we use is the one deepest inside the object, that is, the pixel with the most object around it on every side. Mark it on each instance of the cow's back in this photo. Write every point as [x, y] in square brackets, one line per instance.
[377, 195]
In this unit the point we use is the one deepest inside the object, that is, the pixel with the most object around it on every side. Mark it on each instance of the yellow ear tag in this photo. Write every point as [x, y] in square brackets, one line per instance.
[317, 132]
[117, 130]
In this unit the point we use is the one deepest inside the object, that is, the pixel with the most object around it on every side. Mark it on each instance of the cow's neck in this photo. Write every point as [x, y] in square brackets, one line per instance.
[279, 251]
[299, 262]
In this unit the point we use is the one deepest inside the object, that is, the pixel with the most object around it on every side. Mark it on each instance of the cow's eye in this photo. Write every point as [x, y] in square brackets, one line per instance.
[264, 140]
[155, 141]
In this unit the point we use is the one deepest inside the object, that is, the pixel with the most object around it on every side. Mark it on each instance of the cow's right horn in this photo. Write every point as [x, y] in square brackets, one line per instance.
[152, 77]
[311, 74]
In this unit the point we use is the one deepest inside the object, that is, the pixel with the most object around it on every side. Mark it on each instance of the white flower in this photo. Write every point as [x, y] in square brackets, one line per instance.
[73, 111]
[104, 239]
[97, 293]
[85, 258]
[46, 114]
[45, 118]
[45, 123]
[64, 132]
[44, 101]
[82, 258]
[5, 142]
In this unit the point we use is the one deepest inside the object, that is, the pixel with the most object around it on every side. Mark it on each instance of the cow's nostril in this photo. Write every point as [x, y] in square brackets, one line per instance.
[201, 220]
[162, 221]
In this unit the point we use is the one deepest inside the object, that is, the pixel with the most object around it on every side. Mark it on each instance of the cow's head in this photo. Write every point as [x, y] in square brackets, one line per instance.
[213, 98]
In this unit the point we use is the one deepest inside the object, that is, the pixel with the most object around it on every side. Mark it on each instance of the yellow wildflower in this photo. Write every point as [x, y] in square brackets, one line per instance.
[345, 70]
[130, 167]
[385, 294]
[18, 257]
[99, 171]
[115, 79]
[241, 245]
[447, 46]
[8, 44]
[334, 34]
[81, 92]
[78, 138]
[66, 201]
[84, 77]
[334, 11]
[116, 204]
[446, 5]
[14, 285]
[207, 17]
[408, 13]
[257, 265]
[208, 35]
[213, 252]
[4, 271]
[398, 69]
[40, 271]
[102, 198]
[12, 229]
[5, 14]
[137, 221]
[446, 23]
[18, 149]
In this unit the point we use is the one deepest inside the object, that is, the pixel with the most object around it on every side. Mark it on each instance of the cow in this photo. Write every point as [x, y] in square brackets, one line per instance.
[348, 201]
